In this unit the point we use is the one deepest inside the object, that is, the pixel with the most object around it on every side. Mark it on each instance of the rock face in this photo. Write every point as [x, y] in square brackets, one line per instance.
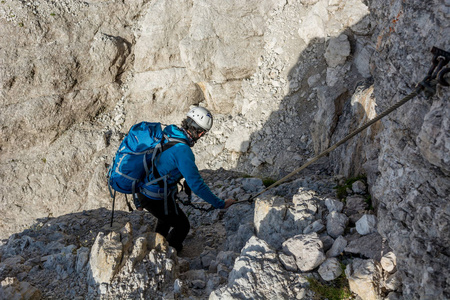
[224, 256]
[62, 69]
[413, 185]
[58, 74]
[284, 79]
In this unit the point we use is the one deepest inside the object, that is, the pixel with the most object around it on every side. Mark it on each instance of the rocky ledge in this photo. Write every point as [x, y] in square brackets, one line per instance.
[291, 239]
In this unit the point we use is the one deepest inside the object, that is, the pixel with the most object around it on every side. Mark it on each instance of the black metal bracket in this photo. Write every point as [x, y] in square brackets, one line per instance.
[440, 59]
[437, 72]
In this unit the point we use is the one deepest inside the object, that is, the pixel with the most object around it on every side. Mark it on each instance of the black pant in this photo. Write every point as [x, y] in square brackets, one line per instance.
[178, 222]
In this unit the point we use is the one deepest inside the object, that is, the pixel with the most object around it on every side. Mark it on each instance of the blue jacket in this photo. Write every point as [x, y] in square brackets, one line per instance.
[179, 161]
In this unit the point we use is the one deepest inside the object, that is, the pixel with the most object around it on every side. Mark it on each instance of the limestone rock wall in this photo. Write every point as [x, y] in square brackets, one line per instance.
[62, 65]
[413, 185]
[58, 70]
[77, 75]
[405, 155]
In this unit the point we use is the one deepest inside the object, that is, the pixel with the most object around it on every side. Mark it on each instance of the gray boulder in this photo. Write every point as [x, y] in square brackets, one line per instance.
[359, 187]
[334, 205]
[317, 226]
[336, 224]
[337, 51]
[277, 220]
[369, 246]
[330, 269]
[366, 224]
[338, 247]
[364, 277]
[307, 250]
[389, 262]
[257, 274]
[354, 205]
[106, 254]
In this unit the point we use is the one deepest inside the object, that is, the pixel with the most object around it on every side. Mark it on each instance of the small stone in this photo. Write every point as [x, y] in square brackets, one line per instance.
[207, 258]
[317, 226]
[336, 224]
[227, 258]
[330, 269]
[312, 80]
[307, 249]
[82, 259]
[337, 51]
[359, 187]
[327, 241]
[334, 205]
[178, 286]
[366, 225]
[301, 294]
[338, 247]
[355, 204]
[364, 278]
[198, 284]
[389, 262]
[369, 246]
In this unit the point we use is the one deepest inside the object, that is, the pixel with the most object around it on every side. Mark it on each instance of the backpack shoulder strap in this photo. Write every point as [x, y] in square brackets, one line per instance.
[162, 146]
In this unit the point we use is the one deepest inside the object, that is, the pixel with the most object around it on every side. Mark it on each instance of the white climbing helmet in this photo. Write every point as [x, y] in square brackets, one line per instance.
[202, 117]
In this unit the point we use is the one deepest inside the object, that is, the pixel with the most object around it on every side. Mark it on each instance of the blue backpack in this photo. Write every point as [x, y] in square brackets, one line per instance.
[131, 163]
[134, 160]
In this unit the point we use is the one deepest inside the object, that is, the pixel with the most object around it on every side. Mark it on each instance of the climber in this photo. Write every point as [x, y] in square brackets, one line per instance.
[178, 161]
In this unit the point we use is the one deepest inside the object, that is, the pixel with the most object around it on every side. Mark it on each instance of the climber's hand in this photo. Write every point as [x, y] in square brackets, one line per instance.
[229, 202]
